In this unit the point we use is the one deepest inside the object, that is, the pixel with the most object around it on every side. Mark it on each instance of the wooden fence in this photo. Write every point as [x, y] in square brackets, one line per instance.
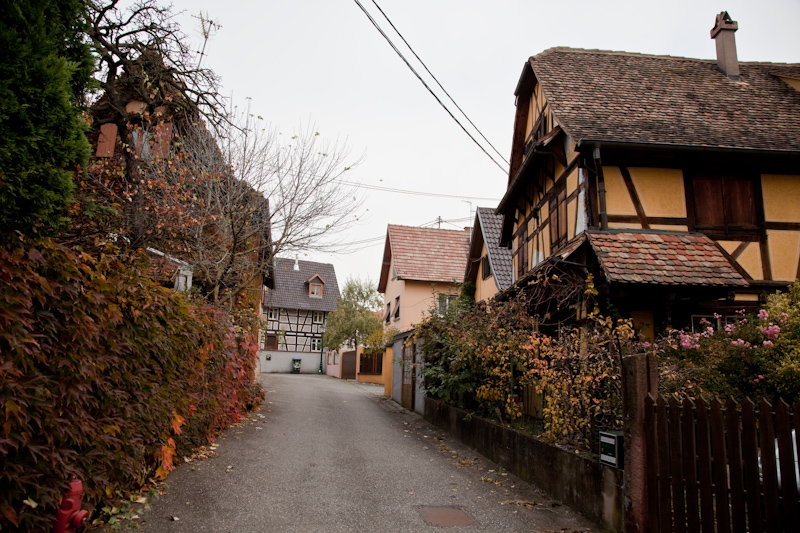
[727, 469]
[532, 402]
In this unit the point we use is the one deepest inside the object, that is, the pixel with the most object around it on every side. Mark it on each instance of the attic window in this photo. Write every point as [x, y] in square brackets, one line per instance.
[315, 290]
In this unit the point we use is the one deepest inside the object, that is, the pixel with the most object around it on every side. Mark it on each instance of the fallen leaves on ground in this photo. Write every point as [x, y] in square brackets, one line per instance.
[528, 504]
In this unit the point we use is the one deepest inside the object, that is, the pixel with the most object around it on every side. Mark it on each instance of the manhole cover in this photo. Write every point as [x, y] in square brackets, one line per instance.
[445, 516]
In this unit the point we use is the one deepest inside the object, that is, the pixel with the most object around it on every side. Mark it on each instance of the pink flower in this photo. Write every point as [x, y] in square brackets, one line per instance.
[740, 342]
[717, 316]
[767, 344]
[771, 332]
[729, 328]
[763, 315]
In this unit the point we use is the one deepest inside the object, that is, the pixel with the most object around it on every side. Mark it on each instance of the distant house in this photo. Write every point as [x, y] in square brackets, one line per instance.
[489, 264]
[422, 269]
[675, 182]
[294, 313]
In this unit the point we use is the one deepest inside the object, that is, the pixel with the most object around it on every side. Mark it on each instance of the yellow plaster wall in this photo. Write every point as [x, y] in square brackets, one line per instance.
[571, 211]
[485, 288]
[781, 197]
[729, 246]
[668, 227]
[750, 260]
[388, 368]
[643, 323]
[660, 191]
[618, 201]
[572, 182]
[784, 253]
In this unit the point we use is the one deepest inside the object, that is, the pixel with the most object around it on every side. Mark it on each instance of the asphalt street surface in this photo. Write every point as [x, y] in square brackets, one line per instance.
[322, 454]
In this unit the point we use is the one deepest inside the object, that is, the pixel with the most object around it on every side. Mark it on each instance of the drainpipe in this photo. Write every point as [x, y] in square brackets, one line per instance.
[601, 188]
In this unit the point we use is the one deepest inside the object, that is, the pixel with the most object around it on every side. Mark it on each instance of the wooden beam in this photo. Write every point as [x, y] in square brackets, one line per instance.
[735, 264]
[626, 177]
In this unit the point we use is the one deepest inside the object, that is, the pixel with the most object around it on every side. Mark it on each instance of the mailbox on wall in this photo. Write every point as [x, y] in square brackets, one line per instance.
[611, 448]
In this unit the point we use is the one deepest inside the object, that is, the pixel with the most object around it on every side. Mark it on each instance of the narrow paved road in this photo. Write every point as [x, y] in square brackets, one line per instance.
[323, 454]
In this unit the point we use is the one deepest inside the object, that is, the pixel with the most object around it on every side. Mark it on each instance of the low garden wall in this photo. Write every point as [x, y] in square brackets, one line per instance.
[593, 489]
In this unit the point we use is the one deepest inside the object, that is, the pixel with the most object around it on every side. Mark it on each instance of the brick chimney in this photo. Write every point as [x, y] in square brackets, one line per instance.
[722, 33]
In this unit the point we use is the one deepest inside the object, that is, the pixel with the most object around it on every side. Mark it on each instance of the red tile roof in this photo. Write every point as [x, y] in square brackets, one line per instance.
[663, 259]
[426, 254]
[627, 97]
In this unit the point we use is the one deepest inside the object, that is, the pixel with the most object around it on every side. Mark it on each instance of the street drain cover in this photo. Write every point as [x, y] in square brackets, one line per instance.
[445, 516]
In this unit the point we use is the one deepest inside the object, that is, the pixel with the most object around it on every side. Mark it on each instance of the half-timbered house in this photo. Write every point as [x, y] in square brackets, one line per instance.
[674, 182]
[294, 313]
[488, 264]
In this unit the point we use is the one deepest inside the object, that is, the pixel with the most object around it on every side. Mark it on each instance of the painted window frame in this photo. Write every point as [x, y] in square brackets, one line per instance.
[273, 313]
[312, 290]
[396, 314]
[316, 344]
[317, 317]
[444, 301]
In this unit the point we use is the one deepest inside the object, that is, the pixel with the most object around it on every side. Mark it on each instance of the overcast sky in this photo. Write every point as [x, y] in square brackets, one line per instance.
[322, 61]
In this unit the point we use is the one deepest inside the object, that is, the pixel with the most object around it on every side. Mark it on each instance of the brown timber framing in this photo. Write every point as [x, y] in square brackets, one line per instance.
[626, 176]
[546, 197]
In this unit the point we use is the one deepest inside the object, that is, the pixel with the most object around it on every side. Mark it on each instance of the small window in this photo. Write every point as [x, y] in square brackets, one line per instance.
[445, 301]
[387, 318]
[273, 314]
[486, 268]
[316, 344]
[315, 290]
[336, 357]
[397, 308]
[522, 252]
[270, 342]
[558, 218]
[319, 317]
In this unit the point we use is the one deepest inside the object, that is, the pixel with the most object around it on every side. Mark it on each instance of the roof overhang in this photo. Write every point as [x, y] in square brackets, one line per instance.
[475, 248]
[386, 265]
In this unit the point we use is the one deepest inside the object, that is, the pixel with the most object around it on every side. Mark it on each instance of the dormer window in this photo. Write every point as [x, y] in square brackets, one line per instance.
[315, 286]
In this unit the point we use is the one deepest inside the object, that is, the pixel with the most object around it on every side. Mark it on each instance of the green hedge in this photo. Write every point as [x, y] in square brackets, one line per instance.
[104, 375]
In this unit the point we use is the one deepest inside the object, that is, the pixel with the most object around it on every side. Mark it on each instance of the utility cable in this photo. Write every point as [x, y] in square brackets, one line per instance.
[417, 193]
[439, 84]
[388, 40]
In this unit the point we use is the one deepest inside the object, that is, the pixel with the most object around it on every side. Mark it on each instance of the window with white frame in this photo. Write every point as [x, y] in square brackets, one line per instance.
[273, 314]
[319, 317]
[316, 344]
[445, 301]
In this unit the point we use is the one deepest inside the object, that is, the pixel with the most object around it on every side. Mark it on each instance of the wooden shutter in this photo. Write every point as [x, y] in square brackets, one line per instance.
[708, 201]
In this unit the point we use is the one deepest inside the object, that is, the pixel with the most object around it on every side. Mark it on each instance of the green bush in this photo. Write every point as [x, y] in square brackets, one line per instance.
[105, 376]
[44, 69]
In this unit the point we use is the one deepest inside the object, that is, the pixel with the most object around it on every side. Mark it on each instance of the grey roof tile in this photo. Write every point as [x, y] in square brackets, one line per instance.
[291, 286]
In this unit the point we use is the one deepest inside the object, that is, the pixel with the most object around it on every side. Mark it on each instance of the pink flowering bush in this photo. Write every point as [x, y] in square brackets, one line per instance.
[744, 356]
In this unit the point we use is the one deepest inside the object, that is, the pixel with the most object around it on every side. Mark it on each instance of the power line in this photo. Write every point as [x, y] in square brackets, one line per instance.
[416, 193]
[437, 82]
[388, 40]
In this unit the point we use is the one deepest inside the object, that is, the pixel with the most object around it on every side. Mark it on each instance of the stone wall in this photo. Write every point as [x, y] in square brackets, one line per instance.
[592, 489]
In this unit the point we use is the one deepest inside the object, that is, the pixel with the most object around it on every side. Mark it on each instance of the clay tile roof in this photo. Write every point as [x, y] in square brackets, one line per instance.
[663, 259]
[291, 286]
[625, 97]
[427, 254]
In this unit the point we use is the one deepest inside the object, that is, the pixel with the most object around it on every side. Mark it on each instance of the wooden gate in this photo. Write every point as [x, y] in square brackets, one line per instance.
[349, 365]
[409, 378]
[714, 468]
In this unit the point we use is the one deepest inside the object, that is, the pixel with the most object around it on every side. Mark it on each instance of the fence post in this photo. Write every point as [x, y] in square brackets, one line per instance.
[639, 378]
